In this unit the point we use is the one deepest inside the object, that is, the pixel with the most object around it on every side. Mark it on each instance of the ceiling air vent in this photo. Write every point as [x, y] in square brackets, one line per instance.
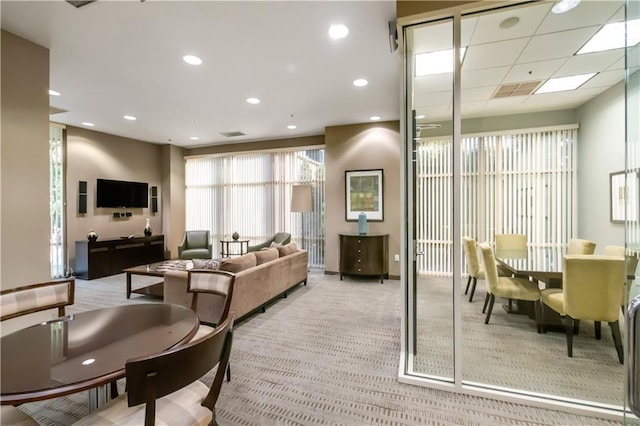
[232, 134]
[516, 89]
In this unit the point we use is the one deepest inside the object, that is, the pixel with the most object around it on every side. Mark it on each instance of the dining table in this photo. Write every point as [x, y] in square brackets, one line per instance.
[541, 265]
[87, 350]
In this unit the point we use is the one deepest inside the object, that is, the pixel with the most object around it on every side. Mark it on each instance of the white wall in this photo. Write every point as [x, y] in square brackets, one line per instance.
[601, 140]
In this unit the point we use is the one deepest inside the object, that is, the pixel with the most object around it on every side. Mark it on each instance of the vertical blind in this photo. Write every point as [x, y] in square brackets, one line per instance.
[251, 194]
[517, 182]
[56, 202]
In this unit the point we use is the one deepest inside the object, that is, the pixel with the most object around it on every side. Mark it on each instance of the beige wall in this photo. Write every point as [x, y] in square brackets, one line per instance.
[24, 168]
[92, 155]
[259, 145]
[359, 147]
[173, 196]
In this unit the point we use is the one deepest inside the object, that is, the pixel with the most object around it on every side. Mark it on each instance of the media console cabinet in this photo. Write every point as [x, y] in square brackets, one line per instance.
[101, 258]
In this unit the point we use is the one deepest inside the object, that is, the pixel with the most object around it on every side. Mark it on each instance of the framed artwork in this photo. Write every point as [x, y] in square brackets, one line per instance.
[623, 196]
[363, 194]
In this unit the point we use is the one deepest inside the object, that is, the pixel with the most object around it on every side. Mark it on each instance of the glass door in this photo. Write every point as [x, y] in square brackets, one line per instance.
[493, 147]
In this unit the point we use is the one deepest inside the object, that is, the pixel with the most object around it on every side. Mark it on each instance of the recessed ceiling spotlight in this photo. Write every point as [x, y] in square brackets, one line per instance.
[53, 93]
[563, 6]
[291, 127]
[374, 118]
[253, 100]
[509, 22]
[420, 116]
[129, 117]
[192, 60]
[360, 82]
[194, 138]
[88, 124]
[338, 31]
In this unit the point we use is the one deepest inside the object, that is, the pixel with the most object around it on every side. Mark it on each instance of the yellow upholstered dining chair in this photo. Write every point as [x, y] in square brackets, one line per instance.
[631, 262]
[511, 242]
[507, 287]
[592, 290]
[475, 269]
[579, 246]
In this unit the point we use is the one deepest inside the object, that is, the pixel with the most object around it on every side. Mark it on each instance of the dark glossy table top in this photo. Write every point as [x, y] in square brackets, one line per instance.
[532, 260]
[88, 349]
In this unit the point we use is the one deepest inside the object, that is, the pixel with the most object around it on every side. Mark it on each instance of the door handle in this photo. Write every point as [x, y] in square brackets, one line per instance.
[632, 366]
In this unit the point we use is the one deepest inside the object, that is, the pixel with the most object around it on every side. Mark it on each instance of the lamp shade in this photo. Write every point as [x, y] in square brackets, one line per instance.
[301, 198]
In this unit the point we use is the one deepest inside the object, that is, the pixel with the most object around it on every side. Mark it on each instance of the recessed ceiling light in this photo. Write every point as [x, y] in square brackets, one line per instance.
[420, 116]
[253, 100]
[338, 31]
[88, 124]
[563, 6]
[53, 93]
[192, 60]
[360, 82]
[374, 118]
[291, 127]
[562, 84]
[130, 118]
[611, 36]
[439, 62]
[194, 138]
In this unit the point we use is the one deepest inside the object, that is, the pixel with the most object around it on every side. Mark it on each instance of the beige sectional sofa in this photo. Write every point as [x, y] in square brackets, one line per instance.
[260, 277]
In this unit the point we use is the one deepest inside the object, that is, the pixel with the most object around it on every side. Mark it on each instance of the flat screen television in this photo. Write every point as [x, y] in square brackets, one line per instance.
[120, 193]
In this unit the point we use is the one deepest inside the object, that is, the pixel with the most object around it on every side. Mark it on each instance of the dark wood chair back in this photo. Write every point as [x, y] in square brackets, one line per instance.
[212, 282]
[155, 376]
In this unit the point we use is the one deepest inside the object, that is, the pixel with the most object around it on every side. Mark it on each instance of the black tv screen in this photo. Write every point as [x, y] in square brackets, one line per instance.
[119, 193]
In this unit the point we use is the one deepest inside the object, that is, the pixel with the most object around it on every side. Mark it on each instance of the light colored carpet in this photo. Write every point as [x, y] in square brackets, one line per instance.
[326, 355]
[508, 352]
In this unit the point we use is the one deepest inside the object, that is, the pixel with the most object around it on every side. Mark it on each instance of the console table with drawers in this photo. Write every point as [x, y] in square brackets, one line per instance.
[364, 254]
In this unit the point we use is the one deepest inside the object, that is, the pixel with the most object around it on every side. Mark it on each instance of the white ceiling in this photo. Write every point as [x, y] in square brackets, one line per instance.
[542, 45]
[112, 58]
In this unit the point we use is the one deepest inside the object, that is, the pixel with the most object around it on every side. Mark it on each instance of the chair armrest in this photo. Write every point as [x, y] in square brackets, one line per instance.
[183, 245]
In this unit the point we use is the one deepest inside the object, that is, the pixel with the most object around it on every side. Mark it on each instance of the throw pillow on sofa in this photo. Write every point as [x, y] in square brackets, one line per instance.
[287, 249]
[266, 255]
[206, 263]
[238, 264]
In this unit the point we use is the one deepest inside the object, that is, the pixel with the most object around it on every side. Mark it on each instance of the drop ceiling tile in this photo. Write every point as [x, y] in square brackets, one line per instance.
[590, 62]
[477, 94]
[433, 83]
[530, 17]
[562, 100]
[433, 99]
[557, 45]
[587, 13]
[485, 77]
[432, 38]
[435, 113]
[493, 55]
[533, 71]
[604, 79]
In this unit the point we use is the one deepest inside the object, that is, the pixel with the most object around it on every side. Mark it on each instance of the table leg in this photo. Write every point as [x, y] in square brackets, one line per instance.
[128, 284]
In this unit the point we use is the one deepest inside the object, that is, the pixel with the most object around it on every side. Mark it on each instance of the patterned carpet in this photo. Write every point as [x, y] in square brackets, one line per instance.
[326, 355]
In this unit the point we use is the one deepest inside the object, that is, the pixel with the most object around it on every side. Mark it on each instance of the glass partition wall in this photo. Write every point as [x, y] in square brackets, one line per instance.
[492, 147]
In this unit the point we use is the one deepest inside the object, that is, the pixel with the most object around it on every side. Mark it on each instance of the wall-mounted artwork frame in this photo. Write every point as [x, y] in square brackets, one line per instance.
[364, 194]
[623, 197]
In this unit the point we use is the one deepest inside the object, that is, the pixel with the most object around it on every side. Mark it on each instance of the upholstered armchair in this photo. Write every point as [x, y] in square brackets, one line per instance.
[579, 246]
[592, 290]
[281, 238]
[195, 245]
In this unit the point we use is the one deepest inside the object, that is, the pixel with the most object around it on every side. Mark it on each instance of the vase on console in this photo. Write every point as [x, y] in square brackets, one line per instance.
[147, 229]
[235, 236]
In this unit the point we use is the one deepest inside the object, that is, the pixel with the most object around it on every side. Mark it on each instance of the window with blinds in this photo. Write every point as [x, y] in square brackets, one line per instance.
[511, 182]
[251, 194]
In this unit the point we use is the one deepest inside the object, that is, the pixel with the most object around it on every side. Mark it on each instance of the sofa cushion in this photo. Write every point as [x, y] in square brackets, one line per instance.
[212, 264]
[287, 249]
[238, 264]
[266, 255]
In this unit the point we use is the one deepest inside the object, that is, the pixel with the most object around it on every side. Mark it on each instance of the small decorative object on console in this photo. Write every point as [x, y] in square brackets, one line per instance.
[92, 236]
[147, 229]
[362, 223]
[235, 236]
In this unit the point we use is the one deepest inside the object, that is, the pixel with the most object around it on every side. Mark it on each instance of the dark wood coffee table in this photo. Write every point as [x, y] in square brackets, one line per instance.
[157, 269]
